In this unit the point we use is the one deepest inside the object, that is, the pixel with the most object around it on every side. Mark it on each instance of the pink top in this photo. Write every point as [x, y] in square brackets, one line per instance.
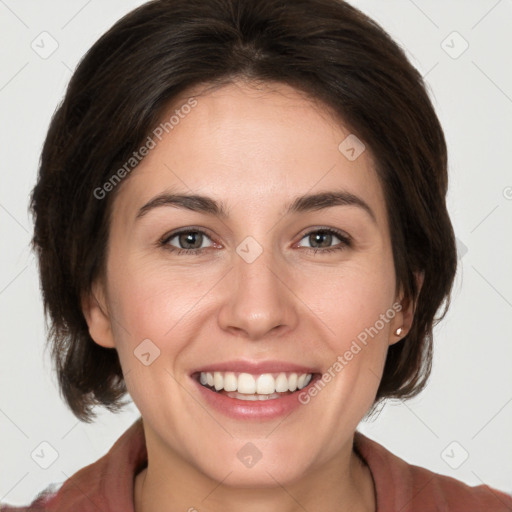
[107, 484]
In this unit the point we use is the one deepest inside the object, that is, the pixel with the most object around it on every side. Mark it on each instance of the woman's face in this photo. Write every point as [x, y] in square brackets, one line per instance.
[278, 284]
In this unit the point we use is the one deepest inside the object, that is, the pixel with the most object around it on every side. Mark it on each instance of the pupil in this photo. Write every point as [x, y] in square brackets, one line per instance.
[321, 234]
[188, 238]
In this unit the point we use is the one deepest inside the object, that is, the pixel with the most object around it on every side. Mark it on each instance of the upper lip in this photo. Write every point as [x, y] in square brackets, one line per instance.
[256, 367]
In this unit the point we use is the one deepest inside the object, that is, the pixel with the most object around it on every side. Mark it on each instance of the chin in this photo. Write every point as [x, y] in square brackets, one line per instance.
[263, 467]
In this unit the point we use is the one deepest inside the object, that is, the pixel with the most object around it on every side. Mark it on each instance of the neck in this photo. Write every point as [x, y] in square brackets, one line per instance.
[343, 483]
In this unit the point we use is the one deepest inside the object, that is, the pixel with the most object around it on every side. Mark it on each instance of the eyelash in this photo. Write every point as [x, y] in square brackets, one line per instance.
[346, 241]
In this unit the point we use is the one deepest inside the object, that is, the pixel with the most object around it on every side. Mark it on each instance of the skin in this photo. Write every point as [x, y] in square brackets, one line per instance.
[255, 148]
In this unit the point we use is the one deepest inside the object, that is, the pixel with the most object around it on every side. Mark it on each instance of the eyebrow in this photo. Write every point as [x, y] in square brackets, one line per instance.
[301, 204]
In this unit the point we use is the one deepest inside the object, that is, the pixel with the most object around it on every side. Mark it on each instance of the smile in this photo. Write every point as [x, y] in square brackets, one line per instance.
[246, 386]
[253, 390]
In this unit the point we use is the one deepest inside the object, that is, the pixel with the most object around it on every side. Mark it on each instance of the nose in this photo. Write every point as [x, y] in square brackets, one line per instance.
[260, 301]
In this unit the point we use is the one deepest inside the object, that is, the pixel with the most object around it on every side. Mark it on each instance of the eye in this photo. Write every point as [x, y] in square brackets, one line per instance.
[321, 240]
[190, 241]
[186, 241]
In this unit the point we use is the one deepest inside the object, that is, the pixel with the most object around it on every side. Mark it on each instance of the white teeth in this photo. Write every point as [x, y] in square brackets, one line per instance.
[230, 381]
[281, 383]
[265, 384]
[292, 382]
[252, 398]
[218, 381]
[246, 384]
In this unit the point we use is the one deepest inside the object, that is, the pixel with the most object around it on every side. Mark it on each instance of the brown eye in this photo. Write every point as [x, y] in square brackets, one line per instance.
[190, 240]
[321, 240]
[193, 239]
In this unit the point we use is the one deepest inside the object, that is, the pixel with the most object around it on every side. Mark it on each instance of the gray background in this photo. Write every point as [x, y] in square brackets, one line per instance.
[461, 424]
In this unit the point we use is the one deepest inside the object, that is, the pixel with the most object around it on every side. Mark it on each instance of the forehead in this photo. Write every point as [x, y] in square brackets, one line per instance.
[251, 146]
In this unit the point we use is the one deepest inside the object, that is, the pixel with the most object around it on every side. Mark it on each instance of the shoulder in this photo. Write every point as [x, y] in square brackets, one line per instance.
[105, 485]
[409, 488]
[39, 503]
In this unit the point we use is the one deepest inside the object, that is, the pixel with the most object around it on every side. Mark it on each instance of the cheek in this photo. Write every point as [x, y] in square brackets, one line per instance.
[354, 305]
[351, 298]
[152, 301]
[154, 311]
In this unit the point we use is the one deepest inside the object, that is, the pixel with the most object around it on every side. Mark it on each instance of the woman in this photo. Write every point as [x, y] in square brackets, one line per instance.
[240, 220]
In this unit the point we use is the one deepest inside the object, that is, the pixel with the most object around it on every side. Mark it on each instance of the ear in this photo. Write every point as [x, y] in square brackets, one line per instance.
[405, 313]
[94, 308]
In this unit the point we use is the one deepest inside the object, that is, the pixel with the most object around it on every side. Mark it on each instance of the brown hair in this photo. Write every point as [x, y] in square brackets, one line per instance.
[325, 48]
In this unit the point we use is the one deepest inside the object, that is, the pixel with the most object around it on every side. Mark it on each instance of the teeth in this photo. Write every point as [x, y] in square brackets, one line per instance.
[292, 382]
[252, 398]
[281, 383]
[265, 385]
[247, 384]
[230, 381]
[218, 381]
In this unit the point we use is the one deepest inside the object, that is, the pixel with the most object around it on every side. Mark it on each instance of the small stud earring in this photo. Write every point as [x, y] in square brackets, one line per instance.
[398, 331]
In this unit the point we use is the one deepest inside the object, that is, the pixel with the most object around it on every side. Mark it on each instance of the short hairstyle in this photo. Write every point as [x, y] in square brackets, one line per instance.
[325, 48]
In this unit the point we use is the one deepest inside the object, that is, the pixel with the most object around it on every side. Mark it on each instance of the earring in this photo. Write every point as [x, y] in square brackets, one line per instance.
[398, 331]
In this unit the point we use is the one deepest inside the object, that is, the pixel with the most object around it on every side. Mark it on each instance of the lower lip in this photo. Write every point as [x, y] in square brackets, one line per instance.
[252, 410]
